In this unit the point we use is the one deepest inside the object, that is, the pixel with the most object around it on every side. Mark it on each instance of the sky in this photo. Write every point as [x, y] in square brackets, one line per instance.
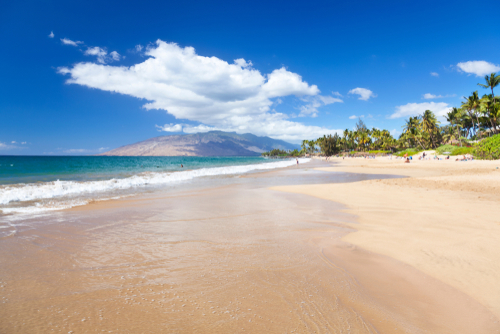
[84, 77]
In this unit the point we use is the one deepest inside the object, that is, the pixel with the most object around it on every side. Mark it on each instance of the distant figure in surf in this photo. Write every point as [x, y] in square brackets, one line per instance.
[182, 166]
[297, 161]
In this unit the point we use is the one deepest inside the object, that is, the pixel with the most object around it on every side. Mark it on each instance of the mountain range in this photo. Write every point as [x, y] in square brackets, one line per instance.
[213, 143]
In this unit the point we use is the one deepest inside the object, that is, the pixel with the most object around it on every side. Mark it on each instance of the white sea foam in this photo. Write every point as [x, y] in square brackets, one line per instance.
[59, 189]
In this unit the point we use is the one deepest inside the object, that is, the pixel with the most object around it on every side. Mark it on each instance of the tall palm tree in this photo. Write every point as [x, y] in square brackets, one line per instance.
[429, 125]
[492, 81]
[304, 145]
[346, 134]
[471, 104]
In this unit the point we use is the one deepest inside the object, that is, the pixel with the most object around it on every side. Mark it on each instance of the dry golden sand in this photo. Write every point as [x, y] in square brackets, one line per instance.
[444, 220]
[242, 258]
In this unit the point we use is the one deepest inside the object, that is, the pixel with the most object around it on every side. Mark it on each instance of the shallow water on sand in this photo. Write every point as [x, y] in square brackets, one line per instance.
[223, 255]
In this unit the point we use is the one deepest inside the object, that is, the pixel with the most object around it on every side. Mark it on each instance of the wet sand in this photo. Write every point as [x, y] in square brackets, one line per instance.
[223, 255]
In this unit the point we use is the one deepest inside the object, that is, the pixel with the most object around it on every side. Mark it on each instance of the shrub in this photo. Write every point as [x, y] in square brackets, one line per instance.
[446, 148]
[488, 149]
[462, 151]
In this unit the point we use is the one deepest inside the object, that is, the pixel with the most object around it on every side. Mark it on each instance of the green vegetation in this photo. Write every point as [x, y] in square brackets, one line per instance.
[445, 148]
[475, 120]
[282, 153]
[488, 149]
[409, 151]
[454, 150]
[378, 152]
[463, 151]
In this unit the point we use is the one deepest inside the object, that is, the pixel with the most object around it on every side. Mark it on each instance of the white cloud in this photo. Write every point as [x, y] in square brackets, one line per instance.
[478, 67]
[171, 127]
[115, 55]
[70, 42]
[207, 90]
[314, 102]
[337, 94]
[102, 54]
[84, 150]
[435, 74]
[13, 142]
[429, 96]
[243, 63]
[353, 117]
[364, 94]
[414, 109]
[4, 146]
[23, 143]
[51, 35]
[138, 48]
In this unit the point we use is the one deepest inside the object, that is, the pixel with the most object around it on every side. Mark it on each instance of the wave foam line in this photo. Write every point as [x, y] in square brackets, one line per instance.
[30, 192]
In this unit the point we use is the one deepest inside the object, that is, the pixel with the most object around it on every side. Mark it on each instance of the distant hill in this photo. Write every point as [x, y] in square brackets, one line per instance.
[213, 143]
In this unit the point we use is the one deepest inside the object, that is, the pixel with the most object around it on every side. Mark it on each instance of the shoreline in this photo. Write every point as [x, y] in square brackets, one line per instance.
[231, 257]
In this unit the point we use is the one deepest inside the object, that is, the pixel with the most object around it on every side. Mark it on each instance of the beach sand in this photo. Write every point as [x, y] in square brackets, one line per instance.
[335, 250]
[444, 220]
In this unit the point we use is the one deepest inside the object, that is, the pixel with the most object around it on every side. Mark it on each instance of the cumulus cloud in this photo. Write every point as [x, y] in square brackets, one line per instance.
[435, 74]
[478, 67]
[51, 35]
[138, 48]
[353, 117]
[208, 90]
[364, 94]
[414, 109]
[13, 142]
[70, 42]
[336, 94]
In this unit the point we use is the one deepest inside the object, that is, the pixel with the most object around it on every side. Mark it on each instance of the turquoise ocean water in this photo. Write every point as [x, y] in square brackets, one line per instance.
[37, 184]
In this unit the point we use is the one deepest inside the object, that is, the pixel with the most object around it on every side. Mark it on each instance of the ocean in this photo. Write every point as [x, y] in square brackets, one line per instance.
[34, 184]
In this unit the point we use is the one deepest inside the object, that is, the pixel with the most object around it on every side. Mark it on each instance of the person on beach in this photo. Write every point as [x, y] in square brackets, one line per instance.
[297, 161]
[182, 166]
[407, 161]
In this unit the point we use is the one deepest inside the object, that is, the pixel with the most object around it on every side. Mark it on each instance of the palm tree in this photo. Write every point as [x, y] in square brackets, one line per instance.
[471, 104]
[491, 82]
[304, 145]
[312, 146]
[429, 125]
[346, 134]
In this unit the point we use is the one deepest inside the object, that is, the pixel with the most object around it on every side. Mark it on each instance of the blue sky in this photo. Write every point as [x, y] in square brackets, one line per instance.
[288, 70]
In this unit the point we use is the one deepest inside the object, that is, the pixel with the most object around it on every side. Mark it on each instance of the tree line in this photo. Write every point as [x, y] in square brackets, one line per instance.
[476, 118]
